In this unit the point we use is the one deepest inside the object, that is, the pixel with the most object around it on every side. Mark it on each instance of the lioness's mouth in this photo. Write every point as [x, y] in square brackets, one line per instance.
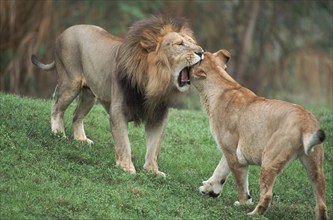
[184, 77]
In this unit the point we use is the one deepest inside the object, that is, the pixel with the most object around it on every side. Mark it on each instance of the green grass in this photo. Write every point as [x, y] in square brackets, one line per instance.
[43, 176]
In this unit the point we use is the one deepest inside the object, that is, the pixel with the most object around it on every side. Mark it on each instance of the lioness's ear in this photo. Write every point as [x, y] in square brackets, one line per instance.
[199, 74]
[223, 56]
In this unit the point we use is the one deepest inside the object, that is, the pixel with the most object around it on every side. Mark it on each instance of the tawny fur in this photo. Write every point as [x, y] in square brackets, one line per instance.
[259, 131]
[134, 78]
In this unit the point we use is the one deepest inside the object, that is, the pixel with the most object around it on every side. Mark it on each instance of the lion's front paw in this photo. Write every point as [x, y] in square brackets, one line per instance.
[127, 166]
[162, 174]
[130, 170]
[60, 134]
[154, 169]
[88, 141]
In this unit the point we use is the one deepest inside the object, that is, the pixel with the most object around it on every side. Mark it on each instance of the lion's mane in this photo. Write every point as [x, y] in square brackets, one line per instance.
[144, 73]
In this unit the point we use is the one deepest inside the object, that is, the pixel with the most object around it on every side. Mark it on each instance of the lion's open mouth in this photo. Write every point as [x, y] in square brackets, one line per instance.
[184, 77]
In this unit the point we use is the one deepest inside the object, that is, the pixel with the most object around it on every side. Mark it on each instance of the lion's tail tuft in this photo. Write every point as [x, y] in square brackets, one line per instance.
[43, 66]
[311, 140]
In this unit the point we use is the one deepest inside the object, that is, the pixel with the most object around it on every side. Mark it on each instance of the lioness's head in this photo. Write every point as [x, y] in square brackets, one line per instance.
[211, 68]
[212, 63]
[157, 55]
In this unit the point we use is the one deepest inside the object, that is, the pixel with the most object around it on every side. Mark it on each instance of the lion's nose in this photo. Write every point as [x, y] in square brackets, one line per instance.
[200, 52]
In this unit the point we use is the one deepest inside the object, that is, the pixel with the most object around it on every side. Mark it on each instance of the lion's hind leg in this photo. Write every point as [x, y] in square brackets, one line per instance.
[58, 111]
[57, 120]
[86, 101]
[64, 99]
[67, 90]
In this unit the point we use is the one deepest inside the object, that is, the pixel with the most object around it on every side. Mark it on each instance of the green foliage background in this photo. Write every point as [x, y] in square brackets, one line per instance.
[288, 53]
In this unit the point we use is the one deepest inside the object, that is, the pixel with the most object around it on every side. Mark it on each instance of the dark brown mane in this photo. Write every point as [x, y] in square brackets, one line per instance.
[137, 108]
[142, 38]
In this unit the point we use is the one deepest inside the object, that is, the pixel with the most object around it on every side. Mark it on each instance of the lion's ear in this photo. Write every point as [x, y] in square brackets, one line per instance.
[223, 56]
[149, 41]
[149, 46]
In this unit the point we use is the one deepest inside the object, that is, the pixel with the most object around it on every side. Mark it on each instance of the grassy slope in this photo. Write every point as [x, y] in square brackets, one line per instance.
[45, 176]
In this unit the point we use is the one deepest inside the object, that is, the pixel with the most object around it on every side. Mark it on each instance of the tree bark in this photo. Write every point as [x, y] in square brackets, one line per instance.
[247, 41]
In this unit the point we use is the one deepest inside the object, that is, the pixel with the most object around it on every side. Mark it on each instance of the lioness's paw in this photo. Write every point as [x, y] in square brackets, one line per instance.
[211, 189]
[254, 212]
[248, 202]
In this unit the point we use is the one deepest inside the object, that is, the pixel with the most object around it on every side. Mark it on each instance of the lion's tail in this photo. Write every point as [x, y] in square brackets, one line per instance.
[41, 65]
[311, 140]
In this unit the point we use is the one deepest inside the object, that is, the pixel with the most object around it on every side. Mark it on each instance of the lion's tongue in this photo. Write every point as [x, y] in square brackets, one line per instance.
[184, 77]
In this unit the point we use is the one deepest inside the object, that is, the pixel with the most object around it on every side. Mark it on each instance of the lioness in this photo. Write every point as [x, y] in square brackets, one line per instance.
[134, 78]
[252, 130]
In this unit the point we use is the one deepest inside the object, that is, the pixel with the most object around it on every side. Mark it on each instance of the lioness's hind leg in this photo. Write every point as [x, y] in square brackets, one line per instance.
[86, 101]
[241, 178]
[273, 162]
[314, 167]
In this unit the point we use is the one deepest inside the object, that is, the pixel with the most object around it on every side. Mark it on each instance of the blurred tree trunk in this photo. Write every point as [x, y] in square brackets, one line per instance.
[247, 41]
[25, 26]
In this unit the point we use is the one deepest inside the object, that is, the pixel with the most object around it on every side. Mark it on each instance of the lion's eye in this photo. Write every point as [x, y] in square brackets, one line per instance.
[181, 43]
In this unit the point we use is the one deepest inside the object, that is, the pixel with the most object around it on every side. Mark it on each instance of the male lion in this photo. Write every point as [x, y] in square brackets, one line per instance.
[252, 130]
[134, 78]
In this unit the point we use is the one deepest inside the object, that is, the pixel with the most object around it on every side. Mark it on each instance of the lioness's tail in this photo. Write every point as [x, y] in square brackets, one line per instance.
[43, 66]
[311, 140]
